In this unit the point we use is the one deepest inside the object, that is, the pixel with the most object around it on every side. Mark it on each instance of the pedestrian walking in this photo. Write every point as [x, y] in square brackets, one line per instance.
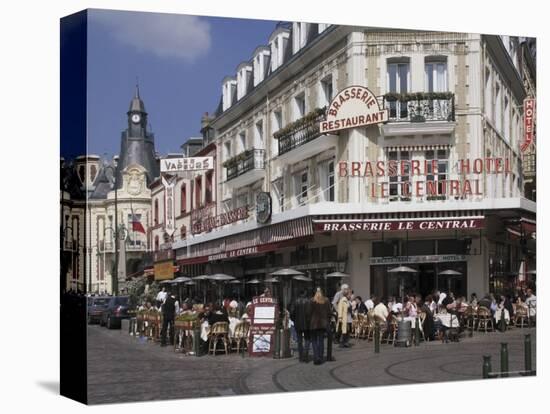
[168, 313]
[301, 316]
[319, 324]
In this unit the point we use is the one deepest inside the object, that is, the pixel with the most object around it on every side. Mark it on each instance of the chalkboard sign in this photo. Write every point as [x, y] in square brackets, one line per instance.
[265, 311]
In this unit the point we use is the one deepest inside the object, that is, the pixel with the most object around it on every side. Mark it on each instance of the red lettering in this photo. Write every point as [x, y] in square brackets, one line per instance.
[343, 169]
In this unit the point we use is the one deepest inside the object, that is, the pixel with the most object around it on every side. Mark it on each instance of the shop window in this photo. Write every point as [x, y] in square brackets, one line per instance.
[385, 248]
[329, 254]
[449, 246]
[420, 247]
[314, 255]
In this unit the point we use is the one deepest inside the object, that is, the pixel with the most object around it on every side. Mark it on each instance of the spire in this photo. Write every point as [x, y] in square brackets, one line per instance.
[136, 104]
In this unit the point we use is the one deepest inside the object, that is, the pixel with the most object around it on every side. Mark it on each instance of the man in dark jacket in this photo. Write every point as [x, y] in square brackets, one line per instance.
[168, 314]
[301, 316]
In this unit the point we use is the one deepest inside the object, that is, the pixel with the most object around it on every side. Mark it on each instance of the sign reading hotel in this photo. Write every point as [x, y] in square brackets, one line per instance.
[528, 123]
[354, 106]
[322, 226]
[173, 165]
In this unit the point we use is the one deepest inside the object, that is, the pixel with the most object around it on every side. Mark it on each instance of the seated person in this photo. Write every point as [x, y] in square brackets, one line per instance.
[444, 321]
[217, 315]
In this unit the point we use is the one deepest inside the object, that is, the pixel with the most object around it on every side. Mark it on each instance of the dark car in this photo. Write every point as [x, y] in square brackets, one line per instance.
[115, 311]
[96, 306]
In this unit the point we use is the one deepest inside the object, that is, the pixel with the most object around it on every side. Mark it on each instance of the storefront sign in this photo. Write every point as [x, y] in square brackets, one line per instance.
[173, 165]
[261, 248]
[528, 123]
[321, 226]
[170, 219]
[164, 270]
[263, 207]
[354, 106]
[202, 213]
[410, 177]
[263, 316]
[209, 223]
[436, 258]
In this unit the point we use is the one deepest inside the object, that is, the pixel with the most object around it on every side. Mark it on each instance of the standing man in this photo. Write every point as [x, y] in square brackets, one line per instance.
[161, 297]
[338, 295]
[168, 314]
[344, 318]
[301, 316]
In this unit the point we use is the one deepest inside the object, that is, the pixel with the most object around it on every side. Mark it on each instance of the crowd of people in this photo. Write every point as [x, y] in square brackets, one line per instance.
[312, 318]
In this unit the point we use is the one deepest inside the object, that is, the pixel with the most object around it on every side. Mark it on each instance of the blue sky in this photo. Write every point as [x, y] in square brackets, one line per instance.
[180, 62]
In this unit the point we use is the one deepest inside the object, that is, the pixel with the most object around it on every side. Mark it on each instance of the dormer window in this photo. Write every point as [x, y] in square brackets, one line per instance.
[261, 55]
[299, 35]
[322, 27]
[278, 43]
[244, 72]
[229, 90]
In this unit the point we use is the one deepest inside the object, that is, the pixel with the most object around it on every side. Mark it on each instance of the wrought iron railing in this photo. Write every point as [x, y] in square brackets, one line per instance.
[420, 107]
[302, 132]
[250, 160]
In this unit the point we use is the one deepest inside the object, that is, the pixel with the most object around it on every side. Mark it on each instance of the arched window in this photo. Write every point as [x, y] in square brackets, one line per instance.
[157, 243]
[156, 218]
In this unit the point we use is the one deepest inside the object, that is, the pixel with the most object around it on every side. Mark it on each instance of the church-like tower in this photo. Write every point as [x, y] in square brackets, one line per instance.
[137, 144]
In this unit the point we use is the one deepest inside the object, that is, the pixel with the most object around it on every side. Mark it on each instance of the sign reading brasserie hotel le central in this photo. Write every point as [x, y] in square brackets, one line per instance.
[357, 106]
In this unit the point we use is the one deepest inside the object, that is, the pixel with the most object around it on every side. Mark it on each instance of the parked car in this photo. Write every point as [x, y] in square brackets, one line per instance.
[96, 306]
[115, 311]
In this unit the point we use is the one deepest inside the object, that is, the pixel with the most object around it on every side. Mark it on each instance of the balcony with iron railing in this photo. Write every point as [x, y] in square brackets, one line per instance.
[245, 168]
[301, 134]
[419, 112]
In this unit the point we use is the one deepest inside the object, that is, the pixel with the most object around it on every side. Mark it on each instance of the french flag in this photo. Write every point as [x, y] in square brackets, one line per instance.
[136, 224]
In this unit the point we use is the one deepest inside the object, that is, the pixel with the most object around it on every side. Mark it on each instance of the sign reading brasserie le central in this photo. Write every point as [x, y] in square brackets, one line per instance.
[354, 106]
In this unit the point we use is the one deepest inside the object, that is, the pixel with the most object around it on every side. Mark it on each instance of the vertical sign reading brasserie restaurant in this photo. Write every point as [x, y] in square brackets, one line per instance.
[170, 222]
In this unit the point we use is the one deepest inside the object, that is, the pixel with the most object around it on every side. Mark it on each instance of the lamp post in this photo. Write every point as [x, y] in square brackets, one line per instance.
[114, 275]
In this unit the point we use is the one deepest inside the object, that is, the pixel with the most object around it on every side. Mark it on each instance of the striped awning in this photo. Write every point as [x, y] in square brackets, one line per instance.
[288, 230]
[417, 147]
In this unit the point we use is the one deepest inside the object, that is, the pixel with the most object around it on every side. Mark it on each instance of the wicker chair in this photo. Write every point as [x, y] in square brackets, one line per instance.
[470, 318]
[521, 317]
[484, 319]
[218, 332]
[391, 331]
[369, 325]
[241, 336]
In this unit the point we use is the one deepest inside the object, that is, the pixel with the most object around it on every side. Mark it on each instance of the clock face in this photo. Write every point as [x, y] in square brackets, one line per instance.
[135, 118]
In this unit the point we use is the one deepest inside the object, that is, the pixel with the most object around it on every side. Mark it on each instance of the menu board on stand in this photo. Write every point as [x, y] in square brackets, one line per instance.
[263, 319]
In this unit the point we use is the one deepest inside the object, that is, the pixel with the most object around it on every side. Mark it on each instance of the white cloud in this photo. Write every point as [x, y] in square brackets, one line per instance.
[165, 35]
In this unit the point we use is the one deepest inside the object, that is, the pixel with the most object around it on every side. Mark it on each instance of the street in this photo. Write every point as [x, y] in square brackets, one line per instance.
[123, 369]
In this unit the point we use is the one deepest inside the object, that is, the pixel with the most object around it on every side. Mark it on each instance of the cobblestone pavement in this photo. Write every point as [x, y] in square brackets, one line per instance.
[121, 368]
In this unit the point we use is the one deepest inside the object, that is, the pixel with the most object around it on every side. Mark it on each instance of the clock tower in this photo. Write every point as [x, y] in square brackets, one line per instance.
[137, 143]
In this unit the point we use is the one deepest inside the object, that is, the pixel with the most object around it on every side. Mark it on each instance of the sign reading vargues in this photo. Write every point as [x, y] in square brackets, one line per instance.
[354, 106]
